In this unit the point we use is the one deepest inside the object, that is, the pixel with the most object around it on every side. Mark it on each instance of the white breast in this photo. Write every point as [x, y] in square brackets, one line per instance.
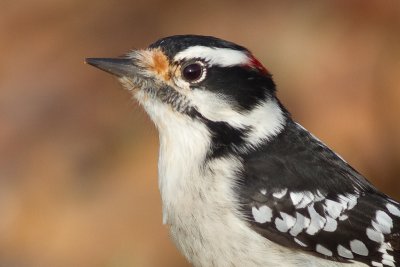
[199, 203]
[208, 230]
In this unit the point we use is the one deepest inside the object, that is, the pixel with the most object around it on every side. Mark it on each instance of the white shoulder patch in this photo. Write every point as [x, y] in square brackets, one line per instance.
[223, 57]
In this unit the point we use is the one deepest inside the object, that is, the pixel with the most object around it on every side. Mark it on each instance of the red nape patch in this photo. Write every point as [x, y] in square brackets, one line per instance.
[255, 64]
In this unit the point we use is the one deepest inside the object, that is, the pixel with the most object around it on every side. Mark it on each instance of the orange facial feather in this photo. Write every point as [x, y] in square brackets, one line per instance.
[160, 64]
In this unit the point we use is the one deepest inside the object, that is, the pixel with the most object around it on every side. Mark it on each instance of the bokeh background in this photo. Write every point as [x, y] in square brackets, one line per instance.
[78, 158]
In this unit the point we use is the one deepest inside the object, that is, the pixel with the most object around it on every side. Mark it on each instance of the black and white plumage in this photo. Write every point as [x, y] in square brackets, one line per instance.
[242, 184]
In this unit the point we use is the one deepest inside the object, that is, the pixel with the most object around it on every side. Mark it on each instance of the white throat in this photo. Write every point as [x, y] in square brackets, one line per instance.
[198, 195]
[185, 143]
[183, 150]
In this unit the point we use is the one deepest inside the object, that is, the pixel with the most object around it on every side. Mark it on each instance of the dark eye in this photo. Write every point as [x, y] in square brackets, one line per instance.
[193, 72]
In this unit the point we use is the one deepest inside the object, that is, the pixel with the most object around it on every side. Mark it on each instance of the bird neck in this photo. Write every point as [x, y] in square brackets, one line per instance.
[184, 145]
[188, 145]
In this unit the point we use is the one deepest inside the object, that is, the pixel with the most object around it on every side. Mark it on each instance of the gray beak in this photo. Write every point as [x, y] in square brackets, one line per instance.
[120, 67]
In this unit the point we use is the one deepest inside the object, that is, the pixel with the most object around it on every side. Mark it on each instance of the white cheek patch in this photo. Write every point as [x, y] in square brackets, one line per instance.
[223, 57]
[265, 120]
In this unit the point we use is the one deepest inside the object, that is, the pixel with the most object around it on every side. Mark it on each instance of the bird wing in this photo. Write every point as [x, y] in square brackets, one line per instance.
[297, 192]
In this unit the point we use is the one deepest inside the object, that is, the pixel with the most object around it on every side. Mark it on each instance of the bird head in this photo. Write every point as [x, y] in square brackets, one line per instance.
[202, 80]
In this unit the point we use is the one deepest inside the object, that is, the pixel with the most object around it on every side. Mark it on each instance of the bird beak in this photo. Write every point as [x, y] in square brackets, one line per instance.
[120, 67]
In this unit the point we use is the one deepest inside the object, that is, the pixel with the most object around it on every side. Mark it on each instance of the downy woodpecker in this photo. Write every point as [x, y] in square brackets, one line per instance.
[243, 184]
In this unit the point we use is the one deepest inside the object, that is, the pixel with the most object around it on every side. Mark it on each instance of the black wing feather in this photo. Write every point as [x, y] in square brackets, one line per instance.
[337, 204]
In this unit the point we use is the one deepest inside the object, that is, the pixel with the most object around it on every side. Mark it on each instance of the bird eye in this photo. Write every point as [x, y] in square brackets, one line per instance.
[193, 72]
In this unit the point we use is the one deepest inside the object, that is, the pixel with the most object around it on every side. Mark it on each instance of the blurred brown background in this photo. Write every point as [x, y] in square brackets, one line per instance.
[78, 158]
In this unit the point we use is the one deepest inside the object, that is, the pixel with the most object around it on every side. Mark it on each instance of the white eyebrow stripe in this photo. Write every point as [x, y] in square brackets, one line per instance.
[223, 57]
